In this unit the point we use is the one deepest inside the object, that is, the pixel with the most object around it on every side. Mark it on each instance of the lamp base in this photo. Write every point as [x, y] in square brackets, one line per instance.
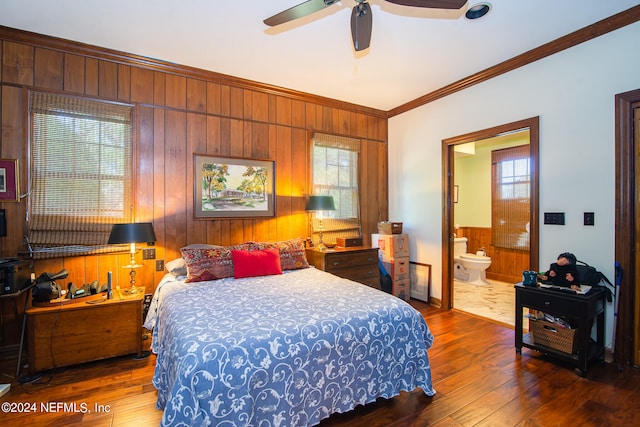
[321, 247]
[132, 275]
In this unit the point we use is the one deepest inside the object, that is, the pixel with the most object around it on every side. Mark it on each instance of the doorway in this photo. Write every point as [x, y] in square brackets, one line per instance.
[450, 192]
[491, 218]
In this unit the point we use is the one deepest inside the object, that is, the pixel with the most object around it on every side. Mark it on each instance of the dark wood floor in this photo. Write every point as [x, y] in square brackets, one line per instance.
[479, 380]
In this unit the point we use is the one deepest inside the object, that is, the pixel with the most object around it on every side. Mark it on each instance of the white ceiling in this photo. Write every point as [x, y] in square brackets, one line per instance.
[413, 51]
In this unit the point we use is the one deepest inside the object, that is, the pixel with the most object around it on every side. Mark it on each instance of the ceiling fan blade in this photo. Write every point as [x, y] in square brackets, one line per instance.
[295, 12]
[361, 24]
[432, 4]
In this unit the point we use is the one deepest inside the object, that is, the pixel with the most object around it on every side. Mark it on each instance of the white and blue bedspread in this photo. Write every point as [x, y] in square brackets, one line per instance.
[286, 350]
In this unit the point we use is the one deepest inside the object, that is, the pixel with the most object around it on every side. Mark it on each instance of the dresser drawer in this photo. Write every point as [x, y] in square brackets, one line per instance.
[359, 264]
[339, 260]
[357, 272]
[554, 302]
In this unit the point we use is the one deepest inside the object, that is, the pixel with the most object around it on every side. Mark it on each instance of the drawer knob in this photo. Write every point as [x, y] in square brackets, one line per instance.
[336, 263]
[547, 303]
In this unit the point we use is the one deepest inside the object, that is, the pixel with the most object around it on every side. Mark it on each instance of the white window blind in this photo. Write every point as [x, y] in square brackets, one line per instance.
[335, 173]
[81, 173]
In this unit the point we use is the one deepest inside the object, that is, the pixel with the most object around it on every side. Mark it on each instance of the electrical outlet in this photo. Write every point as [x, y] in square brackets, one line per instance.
[149, 253]
[159, 265]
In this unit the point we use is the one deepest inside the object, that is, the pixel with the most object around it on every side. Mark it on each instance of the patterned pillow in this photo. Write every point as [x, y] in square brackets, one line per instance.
[292, 253]
[208, 263]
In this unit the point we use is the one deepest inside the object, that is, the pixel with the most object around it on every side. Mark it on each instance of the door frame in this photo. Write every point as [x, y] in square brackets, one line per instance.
[626, 336]
[533, 124]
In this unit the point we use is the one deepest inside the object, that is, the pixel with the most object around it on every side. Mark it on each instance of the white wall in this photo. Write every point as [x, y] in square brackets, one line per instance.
[573, 93]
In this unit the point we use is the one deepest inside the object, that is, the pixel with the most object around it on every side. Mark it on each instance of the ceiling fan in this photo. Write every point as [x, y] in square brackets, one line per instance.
[361, 19]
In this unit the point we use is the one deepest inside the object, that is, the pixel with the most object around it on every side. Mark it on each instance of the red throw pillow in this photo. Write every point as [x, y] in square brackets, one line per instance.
[265, 262]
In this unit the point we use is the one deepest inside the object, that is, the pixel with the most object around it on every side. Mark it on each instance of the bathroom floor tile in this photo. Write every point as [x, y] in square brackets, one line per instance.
[494, 301]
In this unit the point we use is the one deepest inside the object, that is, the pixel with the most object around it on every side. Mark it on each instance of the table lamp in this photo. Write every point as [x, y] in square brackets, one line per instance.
[135, 232]
[319, 204]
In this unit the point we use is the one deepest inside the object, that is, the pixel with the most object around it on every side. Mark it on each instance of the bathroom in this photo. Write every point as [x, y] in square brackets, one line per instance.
[480, 266]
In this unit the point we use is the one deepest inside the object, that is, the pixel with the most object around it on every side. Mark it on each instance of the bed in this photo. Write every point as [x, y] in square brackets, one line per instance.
[286, 349]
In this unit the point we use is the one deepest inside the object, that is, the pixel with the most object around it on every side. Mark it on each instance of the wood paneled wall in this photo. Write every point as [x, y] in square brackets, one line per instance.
[181, 111]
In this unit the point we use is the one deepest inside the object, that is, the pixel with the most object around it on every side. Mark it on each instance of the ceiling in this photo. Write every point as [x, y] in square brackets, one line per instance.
[413, 51]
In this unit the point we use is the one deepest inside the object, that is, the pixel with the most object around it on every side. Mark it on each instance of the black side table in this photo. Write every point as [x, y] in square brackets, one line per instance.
[582, 309]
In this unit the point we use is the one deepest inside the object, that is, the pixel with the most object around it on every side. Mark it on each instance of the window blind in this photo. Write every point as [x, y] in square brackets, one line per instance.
[510, 201]
[80, 175]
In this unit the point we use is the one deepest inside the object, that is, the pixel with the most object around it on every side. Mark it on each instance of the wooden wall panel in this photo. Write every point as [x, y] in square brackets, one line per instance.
[48, 69]
[17, 63]
[175, 91]
[11, 148]
[236, 100]
[196, 143]
[144, 162]
[159, 80]
[124, 82]
[92, 79]
[108, 79]
[141, 85]
[73, 73]
[178, 114]
[196, 95]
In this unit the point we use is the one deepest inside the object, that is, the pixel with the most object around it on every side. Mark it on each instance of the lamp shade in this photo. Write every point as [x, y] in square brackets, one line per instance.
[137, 232]
[320, 203]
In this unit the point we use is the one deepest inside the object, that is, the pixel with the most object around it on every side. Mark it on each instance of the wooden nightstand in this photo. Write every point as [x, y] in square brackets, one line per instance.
[359, 263]
[79, 331]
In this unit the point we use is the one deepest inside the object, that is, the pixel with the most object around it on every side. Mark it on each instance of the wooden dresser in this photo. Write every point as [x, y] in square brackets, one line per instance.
[358, 263]
[78, 332]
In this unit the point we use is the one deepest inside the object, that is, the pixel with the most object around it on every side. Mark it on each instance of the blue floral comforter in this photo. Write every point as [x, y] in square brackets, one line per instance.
[285, 350]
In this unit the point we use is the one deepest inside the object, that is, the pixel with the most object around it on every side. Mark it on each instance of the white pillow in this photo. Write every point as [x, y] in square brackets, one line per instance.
[177, 267]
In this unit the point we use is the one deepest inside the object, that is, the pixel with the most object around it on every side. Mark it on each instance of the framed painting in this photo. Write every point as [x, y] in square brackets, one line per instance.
[9, 182]
[229, 187]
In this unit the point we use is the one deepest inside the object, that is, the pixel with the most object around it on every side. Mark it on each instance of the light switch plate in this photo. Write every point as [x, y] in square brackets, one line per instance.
[554, 218]
[589, 218]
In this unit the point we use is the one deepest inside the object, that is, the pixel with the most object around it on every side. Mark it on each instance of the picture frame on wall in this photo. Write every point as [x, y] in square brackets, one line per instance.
[9, 181]
[233, 187]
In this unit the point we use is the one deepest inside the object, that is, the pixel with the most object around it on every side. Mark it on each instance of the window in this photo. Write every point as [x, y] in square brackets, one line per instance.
[80, 175]
[514, 179]
[511, 183]
[334, 161]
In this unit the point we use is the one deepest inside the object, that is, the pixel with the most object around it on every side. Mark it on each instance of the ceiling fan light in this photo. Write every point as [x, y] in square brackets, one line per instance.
[477, 11]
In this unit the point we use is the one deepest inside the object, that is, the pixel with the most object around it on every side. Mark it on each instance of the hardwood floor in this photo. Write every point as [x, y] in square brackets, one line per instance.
[479, 380]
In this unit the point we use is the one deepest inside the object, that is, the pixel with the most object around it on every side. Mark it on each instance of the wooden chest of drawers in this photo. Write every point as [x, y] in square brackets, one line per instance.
[359, 264]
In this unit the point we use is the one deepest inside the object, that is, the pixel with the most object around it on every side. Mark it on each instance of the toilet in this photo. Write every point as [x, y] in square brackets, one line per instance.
[469, 268]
